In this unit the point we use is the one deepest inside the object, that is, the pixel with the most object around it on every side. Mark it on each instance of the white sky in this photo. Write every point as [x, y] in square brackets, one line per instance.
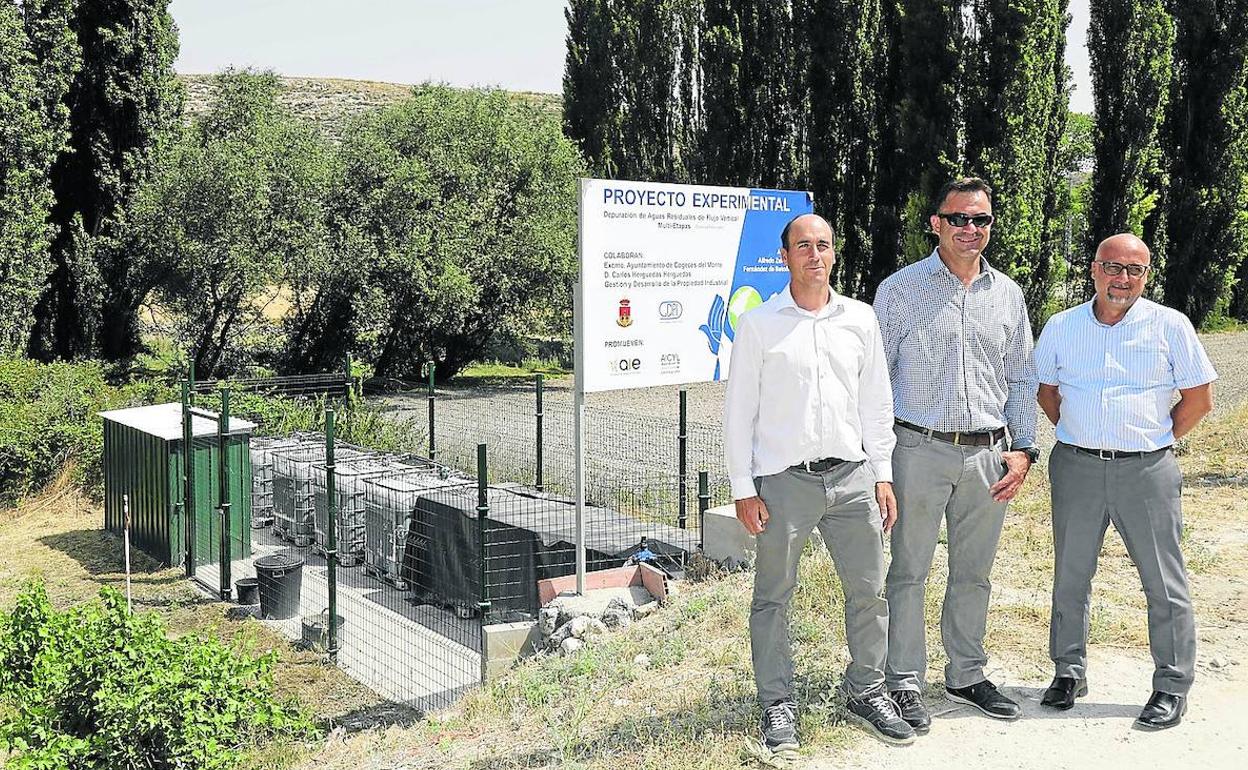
[514, 44]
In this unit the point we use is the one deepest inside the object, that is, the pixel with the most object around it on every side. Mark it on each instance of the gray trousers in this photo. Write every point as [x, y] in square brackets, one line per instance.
[841, 503]
[936, 481]
[1140, 495]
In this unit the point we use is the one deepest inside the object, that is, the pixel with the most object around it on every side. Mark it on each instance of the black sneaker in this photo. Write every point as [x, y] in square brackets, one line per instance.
[780, 726]
[984, 696]
[878, 714]
[910, 706]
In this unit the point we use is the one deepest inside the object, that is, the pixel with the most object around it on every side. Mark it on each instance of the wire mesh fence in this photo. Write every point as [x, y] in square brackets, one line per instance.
[396, 566]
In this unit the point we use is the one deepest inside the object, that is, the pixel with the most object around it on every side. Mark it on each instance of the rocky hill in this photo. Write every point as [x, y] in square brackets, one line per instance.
[330, 102]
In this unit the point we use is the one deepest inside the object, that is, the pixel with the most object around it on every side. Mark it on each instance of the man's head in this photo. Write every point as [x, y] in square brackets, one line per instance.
[807, 248]
[963, 218]
[1116, 259]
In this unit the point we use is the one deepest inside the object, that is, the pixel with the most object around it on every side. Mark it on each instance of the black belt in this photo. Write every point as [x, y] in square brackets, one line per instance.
[982, 438]
[817, 466]
[1114, 454]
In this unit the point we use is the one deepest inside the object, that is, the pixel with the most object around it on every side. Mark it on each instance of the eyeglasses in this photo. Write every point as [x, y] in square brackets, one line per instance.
[958, 219]
[1116, 268]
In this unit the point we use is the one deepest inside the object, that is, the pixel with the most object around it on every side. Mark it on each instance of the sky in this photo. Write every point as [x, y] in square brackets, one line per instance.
[513, 44]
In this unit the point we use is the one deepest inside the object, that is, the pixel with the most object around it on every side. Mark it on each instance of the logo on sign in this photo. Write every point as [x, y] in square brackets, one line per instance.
[624, 365]
[670, 310]
[669, 363]
[625, 318]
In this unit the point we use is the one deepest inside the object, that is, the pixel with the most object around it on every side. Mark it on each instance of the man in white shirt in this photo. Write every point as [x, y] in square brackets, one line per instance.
[1108, 373]
[808, 442]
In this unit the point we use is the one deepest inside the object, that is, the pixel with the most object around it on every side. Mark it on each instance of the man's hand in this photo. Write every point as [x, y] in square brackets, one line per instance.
[752, 512]
[1016, 466]
[888, 504]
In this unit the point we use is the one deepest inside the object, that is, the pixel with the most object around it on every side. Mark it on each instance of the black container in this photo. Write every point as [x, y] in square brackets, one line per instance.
[247, 590]
[281, 580]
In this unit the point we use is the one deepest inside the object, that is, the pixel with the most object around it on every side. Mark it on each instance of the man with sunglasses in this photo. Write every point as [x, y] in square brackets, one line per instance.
[959, 346]
[1109, 369]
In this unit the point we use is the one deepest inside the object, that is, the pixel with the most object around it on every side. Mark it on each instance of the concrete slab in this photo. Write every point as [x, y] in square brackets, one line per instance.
[724, 539]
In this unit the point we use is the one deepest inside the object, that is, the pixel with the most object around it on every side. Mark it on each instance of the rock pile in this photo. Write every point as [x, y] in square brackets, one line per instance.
[570, 622]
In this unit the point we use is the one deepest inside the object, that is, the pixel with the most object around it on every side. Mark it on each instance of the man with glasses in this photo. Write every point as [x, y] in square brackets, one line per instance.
[959, 347]
[1108, 370]
[807, 441]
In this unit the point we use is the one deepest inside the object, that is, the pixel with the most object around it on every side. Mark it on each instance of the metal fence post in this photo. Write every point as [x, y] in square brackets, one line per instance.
[190, 375]
[432, 445]
[348, 389]
[483, 510]
[331, 536]
[223, 490]
[704, 503]
[540, 382]
[188, 477]
[682, 442]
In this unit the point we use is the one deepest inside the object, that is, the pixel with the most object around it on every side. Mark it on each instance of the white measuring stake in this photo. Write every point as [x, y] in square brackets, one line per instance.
[125, 509]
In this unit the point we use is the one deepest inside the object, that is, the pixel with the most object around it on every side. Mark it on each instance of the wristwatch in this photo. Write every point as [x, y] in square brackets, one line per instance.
[1032, 452]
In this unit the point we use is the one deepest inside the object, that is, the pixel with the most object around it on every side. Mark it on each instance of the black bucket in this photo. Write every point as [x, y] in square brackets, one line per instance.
[315, 631]
[247, 590]
[281, 581]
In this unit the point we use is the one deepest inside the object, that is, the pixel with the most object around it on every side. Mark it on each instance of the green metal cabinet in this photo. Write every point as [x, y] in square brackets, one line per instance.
[144, 459]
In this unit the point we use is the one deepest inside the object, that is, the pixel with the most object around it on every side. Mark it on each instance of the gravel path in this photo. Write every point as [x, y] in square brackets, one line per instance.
[631, 434]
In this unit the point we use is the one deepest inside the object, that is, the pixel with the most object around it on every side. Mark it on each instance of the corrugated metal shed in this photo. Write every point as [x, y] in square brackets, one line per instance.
[144, 459]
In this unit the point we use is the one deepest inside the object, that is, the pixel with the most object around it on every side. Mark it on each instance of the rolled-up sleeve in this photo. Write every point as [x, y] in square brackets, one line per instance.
[875, 407]
[1020, 377]
[741, 402]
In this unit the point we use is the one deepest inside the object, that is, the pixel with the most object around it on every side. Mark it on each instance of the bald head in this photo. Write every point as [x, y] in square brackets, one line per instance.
[1123, 247]
[802, 219]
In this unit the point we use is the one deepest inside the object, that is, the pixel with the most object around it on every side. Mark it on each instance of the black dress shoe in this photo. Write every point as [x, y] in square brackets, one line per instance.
[1162, 710]
[984, 696]
[1062, 693]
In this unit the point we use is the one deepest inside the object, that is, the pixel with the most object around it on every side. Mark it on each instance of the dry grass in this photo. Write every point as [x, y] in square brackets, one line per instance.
[693, 705]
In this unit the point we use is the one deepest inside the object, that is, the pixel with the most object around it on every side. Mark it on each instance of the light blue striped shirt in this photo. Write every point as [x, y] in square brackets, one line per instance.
[1117, 382]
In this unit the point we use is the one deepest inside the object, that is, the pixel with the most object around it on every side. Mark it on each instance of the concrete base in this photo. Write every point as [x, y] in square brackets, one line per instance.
[724, 539]
[505, 643]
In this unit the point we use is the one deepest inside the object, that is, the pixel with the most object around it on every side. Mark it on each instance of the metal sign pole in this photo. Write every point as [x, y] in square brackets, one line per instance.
[125, 513]
[578, 410]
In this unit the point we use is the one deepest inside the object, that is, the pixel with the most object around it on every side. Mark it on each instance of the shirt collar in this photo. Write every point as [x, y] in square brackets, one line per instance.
[1139, 311]
[934, 265]
[785, 300]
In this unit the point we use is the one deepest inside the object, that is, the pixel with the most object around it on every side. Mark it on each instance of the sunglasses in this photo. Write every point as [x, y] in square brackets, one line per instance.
[1116, 268]
[958, 219]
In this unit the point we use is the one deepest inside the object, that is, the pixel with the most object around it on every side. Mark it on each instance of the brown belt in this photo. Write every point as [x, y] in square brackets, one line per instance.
[982, 438]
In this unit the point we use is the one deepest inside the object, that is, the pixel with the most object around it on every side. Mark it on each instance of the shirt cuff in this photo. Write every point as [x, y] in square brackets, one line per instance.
[883, 470]
[1022, 443]
[743, 487]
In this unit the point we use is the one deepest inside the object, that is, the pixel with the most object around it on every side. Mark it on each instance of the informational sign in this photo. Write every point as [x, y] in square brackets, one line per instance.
[666, 272]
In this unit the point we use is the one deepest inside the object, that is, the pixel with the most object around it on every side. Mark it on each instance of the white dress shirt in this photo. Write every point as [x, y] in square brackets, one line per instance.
[1117, 382]
[806, 386]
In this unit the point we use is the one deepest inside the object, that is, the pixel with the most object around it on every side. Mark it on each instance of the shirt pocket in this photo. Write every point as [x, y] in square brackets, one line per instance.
[1145, 364]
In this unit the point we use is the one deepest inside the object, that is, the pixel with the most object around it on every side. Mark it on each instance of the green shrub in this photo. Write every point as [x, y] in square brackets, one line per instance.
[95, 686]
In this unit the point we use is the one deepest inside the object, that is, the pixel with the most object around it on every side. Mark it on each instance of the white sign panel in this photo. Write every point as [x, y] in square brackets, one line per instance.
[666, 271]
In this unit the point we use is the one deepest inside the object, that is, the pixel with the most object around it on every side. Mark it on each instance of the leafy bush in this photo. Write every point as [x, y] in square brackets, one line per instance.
[95, 686]
[48, 418]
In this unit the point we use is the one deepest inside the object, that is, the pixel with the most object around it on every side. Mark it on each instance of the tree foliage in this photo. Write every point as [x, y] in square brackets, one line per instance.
[1015, 119]
[122, 98]
[234, 212]
[1129, 46]
[38, 54]
[454, 224]
[1205, 140]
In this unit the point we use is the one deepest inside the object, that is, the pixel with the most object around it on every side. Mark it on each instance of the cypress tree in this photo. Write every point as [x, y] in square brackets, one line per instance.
[1129, 46]
[722, 154]
[38, 54]
[123, 99]
[591, 84]
[1016, 101]
[1205, 141]
[844, 62]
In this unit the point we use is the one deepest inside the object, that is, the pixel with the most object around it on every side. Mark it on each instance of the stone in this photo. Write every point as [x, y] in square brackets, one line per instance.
[570, 646]
[643, 610]
[617, 617]
[557, 638]
[548, 620]
[579, 625]
[642, 661]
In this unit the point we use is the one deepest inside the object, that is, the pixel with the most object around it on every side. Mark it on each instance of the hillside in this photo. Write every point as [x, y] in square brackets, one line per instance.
[329, 102]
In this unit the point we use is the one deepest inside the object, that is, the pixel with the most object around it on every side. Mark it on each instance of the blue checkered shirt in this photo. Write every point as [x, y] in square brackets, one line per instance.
[959, 358]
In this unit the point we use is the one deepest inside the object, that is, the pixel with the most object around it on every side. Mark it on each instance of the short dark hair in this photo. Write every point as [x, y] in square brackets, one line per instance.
[784, 234]
[964, 184]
